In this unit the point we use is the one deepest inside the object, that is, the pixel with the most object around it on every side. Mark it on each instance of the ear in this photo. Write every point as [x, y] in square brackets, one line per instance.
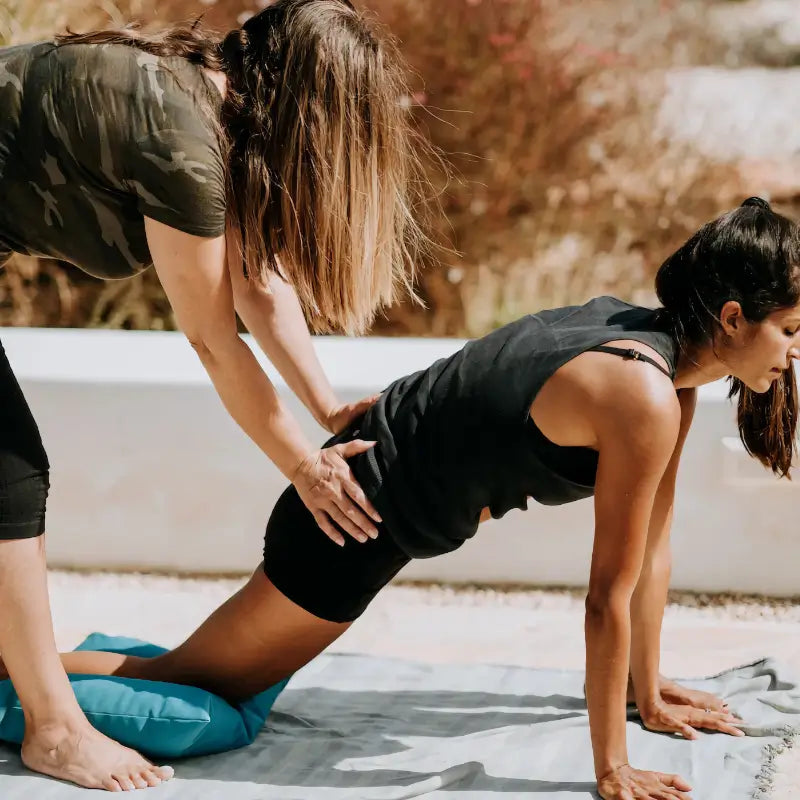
[731, 317]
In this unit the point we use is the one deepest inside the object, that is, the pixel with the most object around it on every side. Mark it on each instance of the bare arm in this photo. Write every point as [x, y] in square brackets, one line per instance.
[274, 316]
[663, 704]
[650, 598]
[193, 273]
[636, 431]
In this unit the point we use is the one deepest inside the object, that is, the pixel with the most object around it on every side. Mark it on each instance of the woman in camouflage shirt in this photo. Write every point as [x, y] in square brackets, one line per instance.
[268, 174]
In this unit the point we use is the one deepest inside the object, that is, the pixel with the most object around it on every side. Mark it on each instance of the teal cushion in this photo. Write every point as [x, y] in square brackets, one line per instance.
[163, 720]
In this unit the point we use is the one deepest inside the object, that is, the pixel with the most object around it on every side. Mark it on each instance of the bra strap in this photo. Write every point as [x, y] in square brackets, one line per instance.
[630, 353]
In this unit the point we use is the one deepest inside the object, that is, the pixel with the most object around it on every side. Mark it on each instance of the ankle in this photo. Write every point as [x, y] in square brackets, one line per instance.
[55, 726]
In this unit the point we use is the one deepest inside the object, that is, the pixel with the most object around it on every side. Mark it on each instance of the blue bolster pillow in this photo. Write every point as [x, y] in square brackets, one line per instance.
[160, 720]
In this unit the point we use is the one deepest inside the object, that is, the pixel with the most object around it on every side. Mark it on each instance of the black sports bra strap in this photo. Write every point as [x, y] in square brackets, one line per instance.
[632, 354]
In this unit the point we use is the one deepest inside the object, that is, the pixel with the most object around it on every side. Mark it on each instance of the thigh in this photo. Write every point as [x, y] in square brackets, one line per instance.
[253, 640]
[302, 598]
[24, 467]
[333, 582]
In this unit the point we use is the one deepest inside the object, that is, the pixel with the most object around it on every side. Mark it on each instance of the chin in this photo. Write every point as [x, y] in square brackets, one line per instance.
[757, 385]
[761, 386]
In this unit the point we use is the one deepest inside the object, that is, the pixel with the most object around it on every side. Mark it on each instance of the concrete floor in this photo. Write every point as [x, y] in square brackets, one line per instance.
[701, 636]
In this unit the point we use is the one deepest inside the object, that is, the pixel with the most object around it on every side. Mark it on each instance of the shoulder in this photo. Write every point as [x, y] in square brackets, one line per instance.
[176, 162]
[638, 407]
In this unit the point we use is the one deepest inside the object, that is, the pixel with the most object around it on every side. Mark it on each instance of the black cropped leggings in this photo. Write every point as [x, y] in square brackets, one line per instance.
[24, 469]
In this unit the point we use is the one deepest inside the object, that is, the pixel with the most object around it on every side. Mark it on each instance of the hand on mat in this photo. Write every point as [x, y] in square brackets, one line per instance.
[331, 493]
[627, 783]
[340, 417]
[683, 719]
[672, 692]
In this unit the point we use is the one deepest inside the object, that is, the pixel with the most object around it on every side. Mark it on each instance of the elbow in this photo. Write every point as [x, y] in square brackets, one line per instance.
[253, 299]
[605, 602]
[199, 345]
[208, 346]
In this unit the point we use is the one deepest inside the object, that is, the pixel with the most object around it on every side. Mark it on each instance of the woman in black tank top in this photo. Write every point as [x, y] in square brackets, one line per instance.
[594, 399]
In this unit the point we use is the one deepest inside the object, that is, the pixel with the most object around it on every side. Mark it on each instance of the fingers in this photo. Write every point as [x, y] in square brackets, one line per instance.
[671, 794]
[363, 405]
[685, 719]
[626, 782]
[719, 723]
[345, 451]
[355, 492]
[353, 448]
[329, 490]
[724, 722]
[674, 781]
[687, 731]
[328, 528]
[353, 521]
[671, 723]
[714, 704]
[730, 729]
[672, 787]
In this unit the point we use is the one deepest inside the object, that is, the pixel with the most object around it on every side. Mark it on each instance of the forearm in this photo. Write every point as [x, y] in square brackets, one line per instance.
[608, 635]
[647, 607]
[647, 613]
[276, 322]
[252, 401]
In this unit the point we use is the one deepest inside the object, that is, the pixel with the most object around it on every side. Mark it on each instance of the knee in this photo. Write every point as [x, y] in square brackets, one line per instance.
[145, 669]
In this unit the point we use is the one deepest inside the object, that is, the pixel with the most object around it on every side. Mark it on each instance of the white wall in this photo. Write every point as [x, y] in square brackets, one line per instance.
[149, 471]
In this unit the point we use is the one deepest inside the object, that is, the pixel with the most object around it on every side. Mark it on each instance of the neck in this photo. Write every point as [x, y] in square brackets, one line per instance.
[699, 367]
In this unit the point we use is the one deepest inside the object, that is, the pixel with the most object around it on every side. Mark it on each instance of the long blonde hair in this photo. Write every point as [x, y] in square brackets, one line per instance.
[324, 179]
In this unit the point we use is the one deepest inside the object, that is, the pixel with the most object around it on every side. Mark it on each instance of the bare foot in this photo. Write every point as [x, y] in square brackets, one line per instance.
[85, 756]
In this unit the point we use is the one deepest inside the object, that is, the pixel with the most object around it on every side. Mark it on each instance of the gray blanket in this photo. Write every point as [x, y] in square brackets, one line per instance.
[351, 726]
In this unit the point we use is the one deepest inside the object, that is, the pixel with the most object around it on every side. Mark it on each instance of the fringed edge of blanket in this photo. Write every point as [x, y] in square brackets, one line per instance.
[765, 780]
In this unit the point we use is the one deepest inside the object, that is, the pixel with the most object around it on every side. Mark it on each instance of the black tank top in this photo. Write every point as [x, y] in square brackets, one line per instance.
[457, 437]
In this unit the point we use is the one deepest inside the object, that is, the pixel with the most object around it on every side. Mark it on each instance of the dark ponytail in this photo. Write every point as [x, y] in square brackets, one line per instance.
[750, 255]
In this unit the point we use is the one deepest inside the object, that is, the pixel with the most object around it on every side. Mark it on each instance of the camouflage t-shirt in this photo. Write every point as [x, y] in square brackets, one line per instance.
[93, 138]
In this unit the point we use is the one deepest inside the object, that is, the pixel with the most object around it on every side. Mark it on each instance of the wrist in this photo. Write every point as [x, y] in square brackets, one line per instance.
[646, 690]
[323, 419]
[605, 768]
[294, 471]
[649, 703]
[324, 415]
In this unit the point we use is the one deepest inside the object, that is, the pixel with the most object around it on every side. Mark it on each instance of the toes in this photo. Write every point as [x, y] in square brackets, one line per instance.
[151, 777]
[126, 784]
[111, 785]
[138, 781]
[165, 773]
